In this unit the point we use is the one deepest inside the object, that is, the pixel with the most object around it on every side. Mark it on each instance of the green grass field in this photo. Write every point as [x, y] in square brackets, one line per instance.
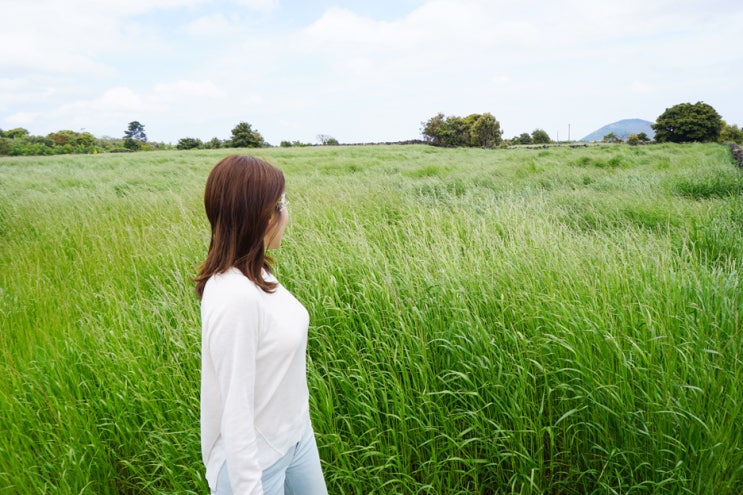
[549, 321]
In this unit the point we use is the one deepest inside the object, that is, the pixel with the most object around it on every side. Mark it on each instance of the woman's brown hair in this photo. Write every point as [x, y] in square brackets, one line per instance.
[240, 199]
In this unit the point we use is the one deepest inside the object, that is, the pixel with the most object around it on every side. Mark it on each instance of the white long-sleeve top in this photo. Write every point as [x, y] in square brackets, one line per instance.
[254, 395]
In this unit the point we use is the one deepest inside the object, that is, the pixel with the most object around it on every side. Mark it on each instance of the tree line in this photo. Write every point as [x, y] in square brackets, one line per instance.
[682, 123]
[18, 141]
[685, 122]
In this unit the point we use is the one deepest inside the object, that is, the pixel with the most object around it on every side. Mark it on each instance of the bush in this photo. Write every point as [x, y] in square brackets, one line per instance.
[5, 146]
[540, 136]
[189, 143]
[612, 138]
[213, 144]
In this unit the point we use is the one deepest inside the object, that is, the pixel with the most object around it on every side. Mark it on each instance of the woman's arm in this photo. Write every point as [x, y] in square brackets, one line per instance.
[234, 325]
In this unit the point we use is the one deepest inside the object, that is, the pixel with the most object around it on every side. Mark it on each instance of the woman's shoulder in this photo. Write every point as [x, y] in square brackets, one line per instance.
[230, 283]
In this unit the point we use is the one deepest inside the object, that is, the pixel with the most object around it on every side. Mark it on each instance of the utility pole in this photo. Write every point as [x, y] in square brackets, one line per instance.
[568, 133]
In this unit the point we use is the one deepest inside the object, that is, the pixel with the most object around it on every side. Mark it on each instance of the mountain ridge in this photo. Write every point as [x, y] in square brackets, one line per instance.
[622, 129]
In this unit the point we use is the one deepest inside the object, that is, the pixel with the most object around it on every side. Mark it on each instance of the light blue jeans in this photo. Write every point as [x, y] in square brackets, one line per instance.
[297, 473]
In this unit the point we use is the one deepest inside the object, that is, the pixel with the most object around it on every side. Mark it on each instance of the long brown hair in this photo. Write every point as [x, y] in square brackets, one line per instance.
[240, 199]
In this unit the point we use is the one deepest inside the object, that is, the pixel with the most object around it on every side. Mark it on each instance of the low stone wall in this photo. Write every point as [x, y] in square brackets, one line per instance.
[386, 143]
[737, 152]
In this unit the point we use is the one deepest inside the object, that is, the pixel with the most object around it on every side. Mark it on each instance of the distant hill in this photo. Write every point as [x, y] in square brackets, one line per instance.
[622, 129]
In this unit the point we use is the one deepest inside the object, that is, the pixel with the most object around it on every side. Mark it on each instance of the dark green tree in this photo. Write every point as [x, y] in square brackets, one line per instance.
[523, 138]
[189, 143]
[86, 140]
[433, 129]
[688, 122]
[134, 136]
[213, 144]
[731, 134]
[540, 136]
[485, 131]
[135, 131]
[473, 130]
[612, 138]
[455, 132]
[243, 136]
[18, 132]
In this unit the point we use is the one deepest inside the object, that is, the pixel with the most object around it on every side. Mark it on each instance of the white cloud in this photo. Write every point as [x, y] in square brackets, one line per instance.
[20, 119]
[184, 90]
[212, 25]
[258, 5]
[172, 105]
[114, 102]
[163, 97]
[500, 79]
[105, 8]
[71, 36]
[439, 37]
[641, 87]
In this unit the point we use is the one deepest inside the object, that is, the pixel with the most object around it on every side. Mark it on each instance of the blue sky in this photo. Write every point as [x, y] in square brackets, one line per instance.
[361, 71]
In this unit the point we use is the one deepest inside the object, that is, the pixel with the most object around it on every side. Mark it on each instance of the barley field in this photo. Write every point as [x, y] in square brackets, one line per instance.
[526, 321]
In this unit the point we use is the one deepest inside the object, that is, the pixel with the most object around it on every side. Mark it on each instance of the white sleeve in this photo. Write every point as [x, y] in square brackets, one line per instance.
[235, 323]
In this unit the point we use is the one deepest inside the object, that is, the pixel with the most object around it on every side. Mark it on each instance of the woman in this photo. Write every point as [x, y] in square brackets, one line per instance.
[256, 435]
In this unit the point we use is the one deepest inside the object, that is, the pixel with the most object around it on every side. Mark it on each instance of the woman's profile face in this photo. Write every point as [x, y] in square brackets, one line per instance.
[272, 239]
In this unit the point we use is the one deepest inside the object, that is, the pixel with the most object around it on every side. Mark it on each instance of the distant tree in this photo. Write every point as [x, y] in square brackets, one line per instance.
[67, 141]
[189, 143]
[448, 131]
[467, 136]
[244, 136]
[688, 122]
[62, 138]
[289, 144]
[523, 138]
[135, 131]
[473, 130]
[433, 129]
[611, 138]
[484, 131]
[134, 136]
[36, 145]
[326, 140]
[635, 139]
[60, 142]
[540, 136]
[86, 140]
[730, 134]
[213, 144]
[18, 132]
[456, 132]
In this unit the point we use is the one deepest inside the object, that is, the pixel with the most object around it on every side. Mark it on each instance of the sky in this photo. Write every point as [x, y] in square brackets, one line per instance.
[361, 70]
